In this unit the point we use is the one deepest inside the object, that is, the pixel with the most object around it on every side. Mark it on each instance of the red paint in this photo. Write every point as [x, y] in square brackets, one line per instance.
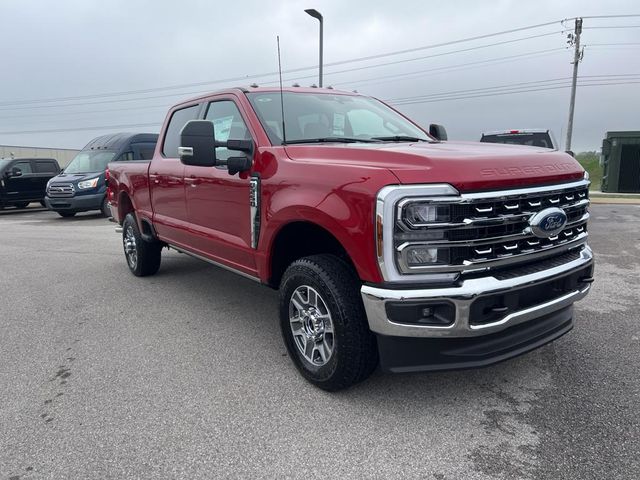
[332, 185]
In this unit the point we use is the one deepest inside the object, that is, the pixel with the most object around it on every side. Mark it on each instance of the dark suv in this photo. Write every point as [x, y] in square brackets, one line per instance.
[82, 187]
[24, 180]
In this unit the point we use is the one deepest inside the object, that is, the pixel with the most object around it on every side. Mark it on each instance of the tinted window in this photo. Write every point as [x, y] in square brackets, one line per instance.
[24, 166]
[46, 167]
[172, 137]
[143, 151]
[125, 157]
[531, 139]
[228, 125]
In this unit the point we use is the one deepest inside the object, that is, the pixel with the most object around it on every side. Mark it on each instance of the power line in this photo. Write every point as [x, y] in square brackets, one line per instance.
[494, 94]
[611, 26]
[459, 97]
[609, 16]
[6, 107]
[427, 56]
[462, 66]
[78, 129]
[269, 74]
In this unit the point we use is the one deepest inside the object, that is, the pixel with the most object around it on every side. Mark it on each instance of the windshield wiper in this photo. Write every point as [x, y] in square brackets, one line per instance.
[331, 140]
[399, 138]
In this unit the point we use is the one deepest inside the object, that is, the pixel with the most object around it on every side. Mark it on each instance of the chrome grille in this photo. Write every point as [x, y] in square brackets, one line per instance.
[487, 230]
[60, 190]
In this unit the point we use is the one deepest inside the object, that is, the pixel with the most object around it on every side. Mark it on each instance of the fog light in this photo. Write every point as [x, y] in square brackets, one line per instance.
[421, 313]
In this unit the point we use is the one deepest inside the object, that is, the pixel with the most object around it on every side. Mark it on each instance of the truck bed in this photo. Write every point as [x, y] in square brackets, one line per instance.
[131, 178]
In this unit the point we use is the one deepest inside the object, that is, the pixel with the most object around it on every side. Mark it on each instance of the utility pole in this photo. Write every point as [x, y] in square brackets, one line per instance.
[577, 56]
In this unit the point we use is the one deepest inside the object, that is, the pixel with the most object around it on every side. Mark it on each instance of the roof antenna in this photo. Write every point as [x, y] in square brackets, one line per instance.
[284, 135]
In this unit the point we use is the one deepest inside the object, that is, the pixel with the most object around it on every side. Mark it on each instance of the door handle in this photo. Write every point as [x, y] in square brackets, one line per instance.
[193, 181]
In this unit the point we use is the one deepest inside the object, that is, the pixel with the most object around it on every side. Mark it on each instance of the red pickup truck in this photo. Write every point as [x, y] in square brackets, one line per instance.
[388, 245]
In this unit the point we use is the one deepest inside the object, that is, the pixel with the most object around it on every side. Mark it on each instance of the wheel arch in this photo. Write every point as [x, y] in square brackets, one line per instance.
[298, 239]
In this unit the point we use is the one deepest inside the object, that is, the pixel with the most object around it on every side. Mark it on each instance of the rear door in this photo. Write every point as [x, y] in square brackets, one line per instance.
[218, 203]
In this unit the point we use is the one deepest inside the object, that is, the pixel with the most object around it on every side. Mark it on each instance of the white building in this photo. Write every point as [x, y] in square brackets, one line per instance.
[63, 155]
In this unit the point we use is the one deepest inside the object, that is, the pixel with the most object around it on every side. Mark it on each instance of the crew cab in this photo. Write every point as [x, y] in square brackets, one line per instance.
[388, 246]
[23, 180]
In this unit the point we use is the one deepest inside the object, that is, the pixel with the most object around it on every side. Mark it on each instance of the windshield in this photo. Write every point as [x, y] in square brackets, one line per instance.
[531, 139]
[90, 161]
[314, 116]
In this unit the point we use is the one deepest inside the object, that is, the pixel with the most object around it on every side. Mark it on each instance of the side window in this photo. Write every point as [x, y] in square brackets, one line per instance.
[46, 167]
[124, 157]
[227, 125]
[177, 121]
[24, 166]
[143, 151]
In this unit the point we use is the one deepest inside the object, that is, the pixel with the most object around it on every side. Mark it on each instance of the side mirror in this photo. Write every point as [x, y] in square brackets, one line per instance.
[570, 152]
[438, 132]
[197, 144]
[14, 172]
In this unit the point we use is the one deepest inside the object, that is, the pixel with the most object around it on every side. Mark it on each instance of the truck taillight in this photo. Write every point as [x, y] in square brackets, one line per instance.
[107, 176]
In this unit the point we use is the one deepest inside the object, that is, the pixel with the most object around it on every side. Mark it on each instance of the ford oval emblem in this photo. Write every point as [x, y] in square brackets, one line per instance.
[548, 222]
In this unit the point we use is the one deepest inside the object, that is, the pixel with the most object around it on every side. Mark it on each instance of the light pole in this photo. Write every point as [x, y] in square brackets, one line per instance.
[316, 14]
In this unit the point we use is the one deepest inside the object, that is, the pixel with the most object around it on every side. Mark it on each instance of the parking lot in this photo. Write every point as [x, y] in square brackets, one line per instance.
[184, 375]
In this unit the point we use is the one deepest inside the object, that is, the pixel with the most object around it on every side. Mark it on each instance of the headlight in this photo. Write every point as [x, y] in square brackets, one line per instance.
[410, 233]
[88, 183]
[418, 214]
[586, 175]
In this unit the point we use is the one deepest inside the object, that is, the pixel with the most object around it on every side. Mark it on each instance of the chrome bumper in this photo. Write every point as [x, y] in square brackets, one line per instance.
[375, 300]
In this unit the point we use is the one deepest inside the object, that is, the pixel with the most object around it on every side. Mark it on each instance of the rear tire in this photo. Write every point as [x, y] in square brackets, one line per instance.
[65, 214]
[106, 210]
[143, 258]
[323, 323]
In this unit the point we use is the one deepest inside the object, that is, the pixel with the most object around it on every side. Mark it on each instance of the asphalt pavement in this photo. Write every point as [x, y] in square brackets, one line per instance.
[184, 375]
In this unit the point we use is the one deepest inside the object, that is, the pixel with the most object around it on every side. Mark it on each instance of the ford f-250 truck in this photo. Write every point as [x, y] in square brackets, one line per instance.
[387, 245]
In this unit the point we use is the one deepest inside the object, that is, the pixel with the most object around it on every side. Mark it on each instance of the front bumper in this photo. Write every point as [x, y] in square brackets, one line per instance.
[468, 300]
[80, 203]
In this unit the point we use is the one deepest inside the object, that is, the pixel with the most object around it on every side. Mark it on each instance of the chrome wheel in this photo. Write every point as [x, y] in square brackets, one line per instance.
[311, 325]
[130, 247]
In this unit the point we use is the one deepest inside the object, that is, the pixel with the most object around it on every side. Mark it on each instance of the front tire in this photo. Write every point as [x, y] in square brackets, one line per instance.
[323, 323]
[66, 214]
[143, 258]
[21, 205]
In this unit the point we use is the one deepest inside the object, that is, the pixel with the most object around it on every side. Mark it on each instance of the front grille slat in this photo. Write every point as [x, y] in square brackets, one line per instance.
[493, 231]
[61, 190]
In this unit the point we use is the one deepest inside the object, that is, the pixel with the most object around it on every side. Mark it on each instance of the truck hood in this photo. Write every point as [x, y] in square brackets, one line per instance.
[468, 166]
[75, 177]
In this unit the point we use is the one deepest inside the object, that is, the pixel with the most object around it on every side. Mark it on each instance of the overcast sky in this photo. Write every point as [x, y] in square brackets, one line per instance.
[50, 50]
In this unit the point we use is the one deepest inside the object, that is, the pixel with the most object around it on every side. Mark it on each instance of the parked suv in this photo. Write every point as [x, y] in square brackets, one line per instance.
[81, 186]
[23, 180]
[533, 137]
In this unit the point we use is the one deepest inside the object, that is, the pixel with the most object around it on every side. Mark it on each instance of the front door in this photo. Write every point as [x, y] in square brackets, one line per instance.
[20, 188]
[218, 203]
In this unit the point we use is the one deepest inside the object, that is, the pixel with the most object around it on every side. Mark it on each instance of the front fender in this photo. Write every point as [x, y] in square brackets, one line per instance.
[345, 211]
